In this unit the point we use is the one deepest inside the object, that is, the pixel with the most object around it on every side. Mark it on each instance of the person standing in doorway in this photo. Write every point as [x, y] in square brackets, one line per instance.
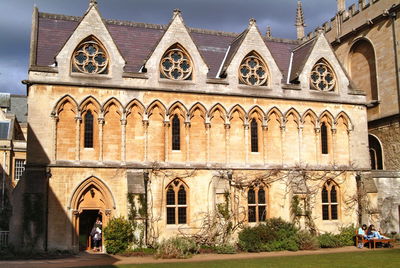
[96, 234]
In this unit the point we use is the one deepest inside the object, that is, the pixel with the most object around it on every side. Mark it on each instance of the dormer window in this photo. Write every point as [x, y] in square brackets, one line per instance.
[322, 77]
[253, 71]
[176, 64]
[90, 57]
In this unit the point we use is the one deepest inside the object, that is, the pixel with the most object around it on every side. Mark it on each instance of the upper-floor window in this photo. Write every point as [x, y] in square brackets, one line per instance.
[88, 137]
[19, 168]
[322, 77]
[90, 57]
[253, 70]
[176, 133]
[324, 138]
[254, 135]
[4, 128]
[176, 202]
[329, 201]
[176, 64]
[257, 204]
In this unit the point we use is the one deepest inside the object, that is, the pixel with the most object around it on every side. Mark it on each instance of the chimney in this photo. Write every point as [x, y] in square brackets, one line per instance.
[268, 33]
[341, 6]
[300, 21]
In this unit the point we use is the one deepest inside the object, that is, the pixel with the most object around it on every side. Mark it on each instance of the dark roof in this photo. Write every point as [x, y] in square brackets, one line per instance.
[300, 56]
[19, 107]
[136, 41]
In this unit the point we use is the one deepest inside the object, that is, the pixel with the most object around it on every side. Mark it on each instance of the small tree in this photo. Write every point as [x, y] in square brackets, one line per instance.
[118, 235]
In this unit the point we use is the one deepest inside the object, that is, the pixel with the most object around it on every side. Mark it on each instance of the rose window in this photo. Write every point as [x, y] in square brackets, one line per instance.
[322, 77]
[176, 65]
[91, 58]
[253, 71]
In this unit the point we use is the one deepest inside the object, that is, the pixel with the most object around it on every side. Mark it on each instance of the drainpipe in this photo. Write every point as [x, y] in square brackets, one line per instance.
[393, 16]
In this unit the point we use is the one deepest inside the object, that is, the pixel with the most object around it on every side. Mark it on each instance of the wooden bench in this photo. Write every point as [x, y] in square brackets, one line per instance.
[362, 239]
[382, 240]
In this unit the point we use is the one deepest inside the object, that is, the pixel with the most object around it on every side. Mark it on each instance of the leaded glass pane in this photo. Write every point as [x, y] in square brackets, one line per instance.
[251, 196]
[261, 196]
[261, 213]
[90, 57]
[333, 195]
[170, 215]
[253, 71]
[88, 135]
[170, 196]
[322, 77]
[324, 195]
[324, 139]
[176, 64]
[176, 143]
[334, 212]
[182, 196]
[325, 212]
[254, 135]
[181, 215]
[252, 214]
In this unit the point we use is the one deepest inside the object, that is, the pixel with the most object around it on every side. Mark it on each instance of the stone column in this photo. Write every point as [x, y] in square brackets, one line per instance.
[146, 138]
[55, 121]
[334, 142]
[283, 140]
[246, 142]
[227, 142]
[123, 139]
[166, 140]
[187, 137]
[208, 126]
[349, 135]
[101, 125]
[300, 142]
[264, 131]
[318, 144]
[78, 120]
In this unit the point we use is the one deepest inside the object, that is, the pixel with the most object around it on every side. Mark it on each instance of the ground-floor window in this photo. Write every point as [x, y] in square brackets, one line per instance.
[330, 201]
[257, 204]
[176, 202]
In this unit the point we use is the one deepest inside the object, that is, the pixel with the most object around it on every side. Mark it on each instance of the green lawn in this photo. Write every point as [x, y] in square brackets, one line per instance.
[378, 258]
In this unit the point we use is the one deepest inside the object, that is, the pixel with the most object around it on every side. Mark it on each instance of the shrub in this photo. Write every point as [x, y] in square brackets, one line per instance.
[225, 249]
[307, 241]
[176, 248]
[346, 236]
[118, 235]
[329, 240]
[275, 234]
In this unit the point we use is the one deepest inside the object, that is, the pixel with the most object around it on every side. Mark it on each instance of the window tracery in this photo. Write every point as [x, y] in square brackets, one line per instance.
[329, 201]
[322, 77]
[176, 64]
[257, 204]
[253, 71]
[90, 57]
[176, 203]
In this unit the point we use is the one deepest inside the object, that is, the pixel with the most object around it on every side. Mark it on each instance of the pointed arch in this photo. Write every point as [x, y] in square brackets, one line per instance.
[135, 132]
[376, 152]
[346, 120]
[61, 102]
[279, 116]
[177, 201]
[83, 186]
[113, 101]
[153, 104]
[295, 113]
[90, 57]
[327, 117]
[176, 63]
[311, 114]
[238, 108]
[133, 103]
[180, 106]
[86, 101]
[258, 111]
[217, 107]
[200, 107]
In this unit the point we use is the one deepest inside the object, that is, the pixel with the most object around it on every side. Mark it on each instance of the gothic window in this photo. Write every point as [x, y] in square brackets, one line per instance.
[176, 203]
[254, 135]
[176, 133]
[90, 57]
[253, 71]
[375, 151]
[176, 64]
[88, 138]
[257, 204]
[19, 168]
[324, 138]
[329, 201]
[322, 77]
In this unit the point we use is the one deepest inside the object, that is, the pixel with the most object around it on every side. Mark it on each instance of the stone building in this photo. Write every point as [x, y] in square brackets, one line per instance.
[365, 37]
[13, 156]
[186, 121]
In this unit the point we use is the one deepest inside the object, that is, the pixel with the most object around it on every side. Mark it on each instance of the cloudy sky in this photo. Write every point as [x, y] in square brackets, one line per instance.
[225, 15]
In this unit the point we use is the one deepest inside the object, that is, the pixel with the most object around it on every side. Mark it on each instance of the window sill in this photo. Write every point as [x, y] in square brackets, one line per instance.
[92, 76]
[176, 82]
[177, 226]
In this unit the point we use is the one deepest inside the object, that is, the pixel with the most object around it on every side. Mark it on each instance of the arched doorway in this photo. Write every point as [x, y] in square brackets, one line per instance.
[375, 151]
[91, 199]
